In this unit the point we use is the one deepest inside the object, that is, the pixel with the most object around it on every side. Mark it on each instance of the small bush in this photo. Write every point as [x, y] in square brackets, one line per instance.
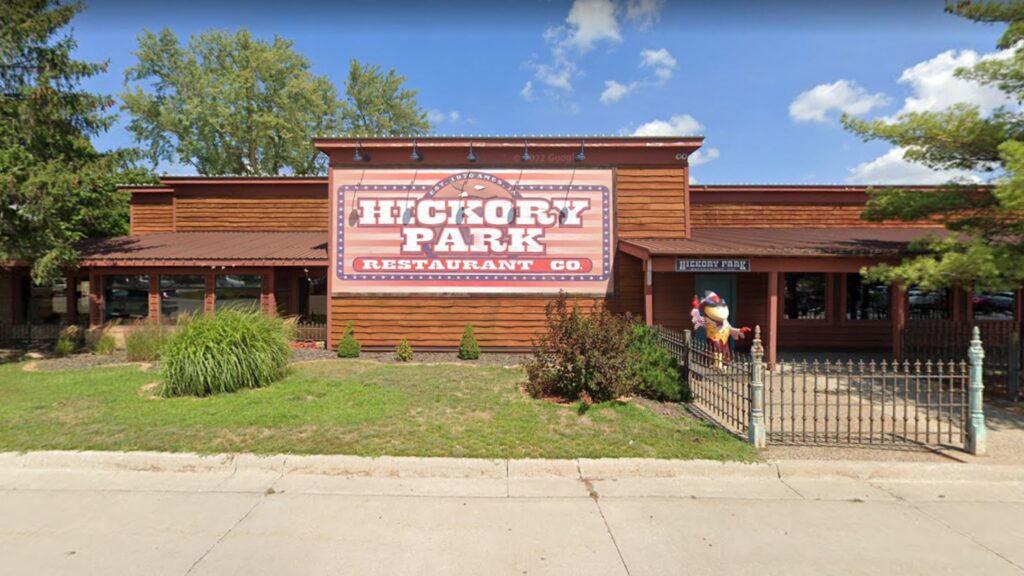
[105, 345]
[580, 355]
[468, 348]
[69, 341]
[145, 341]
[655, 373]
[226, 352]
[349, 347]
[403, 352]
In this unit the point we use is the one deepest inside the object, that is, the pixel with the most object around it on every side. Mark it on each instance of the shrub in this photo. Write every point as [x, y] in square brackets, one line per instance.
[468, 348]
[226, 352]
[580, 355]
[349, 347]
[655, 373]
[105, 345]
[145, 341]
[69, 341]
[403, 352]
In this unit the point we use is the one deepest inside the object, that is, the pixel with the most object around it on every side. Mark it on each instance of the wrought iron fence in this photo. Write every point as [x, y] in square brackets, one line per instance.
[28, 333]
[867, 403]
[720, 382]
[928, 403]
[944, 340]
[314, 331]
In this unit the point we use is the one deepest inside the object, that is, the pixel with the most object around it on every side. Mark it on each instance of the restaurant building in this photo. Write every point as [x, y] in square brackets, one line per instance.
[415, 238]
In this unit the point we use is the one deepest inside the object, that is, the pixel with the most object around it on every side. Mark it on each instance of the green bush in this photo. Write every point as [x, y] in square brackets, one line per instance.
[403, 352]
[655, 373]
[349, 347]
[105, 345]
[70, 340]
[226, 352]
[468, 348]
[581, 356]
[145, 341]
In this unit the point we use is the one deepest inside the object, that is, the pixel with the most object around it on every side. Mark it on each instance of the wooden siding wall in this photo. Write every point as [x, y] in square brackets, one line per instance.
[651, 203]
[498, 321]
[283, 208]
[757, 215]
[152, 213]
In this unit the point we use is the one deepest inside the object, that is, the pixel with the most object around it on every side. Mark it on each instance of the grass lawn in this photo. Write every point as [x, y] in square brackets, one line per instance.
[333, 407]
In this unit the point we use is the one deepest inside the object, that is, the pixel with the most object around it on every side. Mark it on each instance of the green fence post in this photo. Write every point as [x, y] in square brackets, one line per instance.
[977, 434]
[755, 427]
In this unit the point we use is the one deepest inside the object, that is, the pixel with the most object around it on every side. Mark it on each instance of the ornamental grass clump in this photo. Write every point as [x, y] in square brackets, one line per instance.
[468, 347]
[145, 341]
[226, 352]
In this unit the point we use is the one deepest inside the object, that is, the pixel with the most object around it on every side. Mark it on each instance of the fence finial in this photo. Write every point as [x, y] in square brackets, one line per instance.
[977, 433]
[756, 347]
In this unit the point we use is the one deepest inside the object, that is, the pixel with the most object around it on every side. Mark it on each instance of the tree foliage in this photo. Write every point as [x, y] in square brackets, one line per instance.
[228, 103]
[376, 104]
[984, 245]
[55, 187]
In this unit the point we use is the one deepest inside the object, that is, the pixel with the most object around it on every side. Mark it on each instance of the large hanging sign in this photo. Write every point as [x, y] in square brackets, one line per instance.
[471, 231]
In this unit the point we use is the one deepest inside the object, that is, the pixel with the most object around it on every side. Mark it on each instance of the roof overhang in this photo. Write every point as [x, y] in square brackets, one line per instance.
[207, 249]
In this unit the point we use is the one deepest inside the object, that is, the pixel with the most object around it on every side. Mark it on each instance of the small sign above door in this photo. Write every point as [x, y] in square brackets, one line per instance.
[712, 265]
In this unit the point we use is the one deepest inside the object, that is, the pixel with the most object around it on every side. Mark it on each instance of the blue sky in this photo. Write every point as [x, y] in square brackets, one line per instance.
[764, 81]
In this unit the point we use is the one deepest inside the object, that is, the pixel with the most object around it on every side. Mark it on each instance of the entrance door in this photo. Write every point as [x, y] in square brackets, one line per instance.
[722, 284]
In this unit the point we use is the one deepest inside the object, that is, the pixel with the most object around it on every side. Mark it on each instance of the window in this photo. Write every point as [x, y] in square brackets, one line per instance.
[805, 296]
[238, 291]
[313, 298]
[126, 297]
[929, 305]
[866, 300]
[182, 294]
[993, 305]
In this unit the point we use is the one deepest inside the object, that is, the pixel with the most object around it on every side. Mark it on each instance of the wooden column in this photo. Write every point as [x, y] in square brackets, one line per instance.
[95, 299]
[648, 292]
[208, 297]
[154, 298]
[71, 300]
[773, 319]
[267, 290]
[898, 317]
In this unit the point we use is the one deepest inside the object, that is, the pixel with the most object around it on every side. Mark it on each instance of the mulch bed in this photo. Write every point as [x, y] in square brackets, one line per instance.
[486, 359]
[80, 361]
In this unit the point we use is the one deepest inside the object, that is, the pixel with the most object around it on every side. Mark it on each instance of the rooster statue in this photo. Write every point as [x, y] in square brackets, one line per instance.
[711, 325]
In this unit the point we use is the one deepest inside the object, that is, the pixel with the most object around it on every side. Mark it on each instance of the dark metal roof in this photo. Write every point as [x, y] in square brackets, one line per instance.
[735, 242]
[208, 249]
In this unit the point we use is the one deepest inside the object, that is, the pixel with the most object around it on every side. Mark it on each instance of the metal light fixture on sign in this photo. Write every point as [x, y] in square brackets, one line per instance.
[471, 157]
[581, 156]
[416, 156]
[526, 152]
[359, 156]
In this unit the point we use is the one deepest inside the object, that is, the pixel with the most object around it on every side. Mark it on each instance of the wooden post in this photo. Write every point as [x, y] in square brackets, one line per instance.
[773, 319]
[897, 317]
[209, 295]
[71, 316]
[649, 292]
[95, 299]
[154, 298]
[269, 297]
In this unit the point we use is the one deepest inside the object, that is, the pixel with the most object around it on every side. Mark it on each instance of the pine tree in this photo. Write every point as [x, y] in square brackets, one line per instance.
[348, 346]
[468, 347]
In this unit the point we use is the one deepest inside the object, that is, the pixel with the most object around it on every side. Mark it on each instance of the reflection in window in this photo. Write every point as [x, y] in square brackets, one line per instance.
[238, 291]
[804, 297]
[929, 305]
[126, 297]
[994, 305]
[313, 299]
[866, 300]
[181, 294]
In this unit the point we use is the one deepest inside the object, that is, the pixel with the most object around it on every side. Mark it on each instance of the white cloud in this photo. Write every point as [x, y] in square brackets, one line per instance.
[527, 91]
[935, 87]
[678, 125]
[892, 168]
[846, 96]
[660, 58]
[703, 156]
[614, 91]
[591, 22]
[435, 117]
[644, 13]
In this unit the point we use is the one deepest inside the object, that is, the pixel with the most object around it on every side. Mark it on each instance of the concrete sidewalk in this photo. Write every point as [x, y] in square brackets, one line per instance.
[142, 513]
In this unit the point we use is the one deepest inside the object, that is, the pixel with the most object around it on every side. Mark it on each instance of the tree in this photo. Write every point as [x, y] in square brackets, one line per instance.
[228, 103]
[984, 246]
[55, 187]
[377, 105]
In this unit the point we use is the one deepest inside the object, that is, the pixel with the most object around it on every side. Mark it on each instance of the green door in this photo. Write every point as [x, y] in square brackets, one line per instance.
[722, 284]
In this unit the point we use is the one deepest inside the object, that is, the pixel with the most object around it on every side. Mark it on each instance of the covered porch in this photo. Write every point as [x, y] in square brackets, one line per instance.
[804, 289]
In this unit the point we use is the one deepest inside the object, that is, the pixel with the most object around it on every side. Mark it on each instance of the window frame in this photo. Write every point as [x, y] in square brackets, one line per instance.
[829, 304]
[844, 298]
[160, 296]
